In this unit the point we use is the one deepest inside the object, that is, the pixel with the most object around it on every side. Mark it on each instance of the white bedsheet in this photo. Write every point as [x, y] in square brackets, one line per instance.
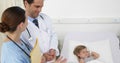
[92, 37]
[95, 61]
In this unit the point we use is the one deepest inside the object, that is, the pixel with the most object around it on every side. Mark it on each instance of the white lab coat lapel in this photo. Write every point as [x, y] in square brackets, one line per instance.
[33, 31]
[36, 33]
[45, 37]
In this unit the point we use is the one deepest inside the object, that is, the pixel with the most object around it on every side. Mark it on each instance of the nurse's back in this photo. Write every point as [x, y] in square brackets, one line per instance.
[12, 54]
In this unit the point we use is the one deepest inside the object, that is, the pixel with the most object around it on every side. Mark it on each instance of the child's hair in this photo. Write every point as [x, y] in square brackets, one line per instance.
[78, 49]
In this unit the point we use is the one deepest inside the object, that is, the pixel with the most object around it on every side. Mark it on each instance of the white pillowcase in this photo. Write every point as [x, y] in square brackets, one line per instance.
[101, 47]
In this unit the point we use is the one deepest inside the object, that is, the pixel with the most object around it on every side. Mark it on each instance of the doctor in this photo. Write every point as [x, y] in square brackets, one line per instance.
[40, 26]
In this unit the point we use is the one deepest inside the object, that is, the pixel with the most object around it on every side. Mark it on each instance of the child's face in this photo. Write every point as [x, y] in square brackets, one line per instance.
[83, 53]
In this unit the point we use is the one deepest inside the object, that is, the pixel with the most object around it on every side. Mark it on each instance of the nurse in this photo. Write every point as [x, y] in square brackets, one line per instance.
[40, 26]
[13, 23]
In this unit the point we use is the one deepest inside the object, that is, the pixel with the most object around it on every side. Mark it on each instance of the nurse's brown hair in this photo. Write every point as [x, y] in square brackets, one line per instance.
[11, 18]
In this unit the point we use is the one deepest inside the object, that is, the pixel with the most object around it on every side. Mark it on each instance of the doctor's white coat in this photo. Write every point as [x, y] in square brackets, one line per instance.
[47, 38]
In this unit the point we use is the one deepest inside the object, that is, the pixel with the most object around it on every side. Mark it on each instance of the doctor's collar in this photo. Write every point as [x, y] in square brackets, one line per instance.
[31, 19]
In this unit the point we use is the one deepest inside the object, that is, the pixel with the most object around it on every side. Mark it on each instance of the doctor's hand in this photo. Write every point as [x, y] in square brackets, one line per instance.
[48, 56]
[52, 52]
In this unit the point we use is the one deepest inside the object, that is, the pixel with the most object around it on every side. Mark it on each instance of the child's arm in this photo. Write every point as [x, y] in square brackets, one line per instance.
[95, 55]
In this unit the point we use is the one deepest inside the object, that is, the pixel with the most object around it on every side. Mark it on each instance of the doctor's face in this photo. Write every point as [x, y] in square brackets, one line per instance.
[34, 8]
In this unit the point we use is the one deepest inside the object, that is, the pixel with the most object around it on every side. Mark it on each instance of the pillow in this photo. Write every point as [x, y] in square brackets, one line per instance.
[101, 47]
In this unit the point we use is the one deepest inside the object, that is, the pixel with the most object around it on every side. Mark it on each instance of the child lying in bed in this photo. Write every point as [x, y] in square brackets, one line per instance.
[84, 55]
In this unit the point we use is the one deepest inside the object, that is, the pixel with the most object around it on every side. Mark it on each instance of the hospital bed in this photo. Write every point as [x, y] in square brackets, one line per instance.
[112, 55]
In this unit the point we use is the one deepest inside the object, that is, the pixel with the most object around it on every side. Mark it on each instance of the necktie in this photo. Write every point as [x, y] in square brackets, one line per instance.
[35, 21]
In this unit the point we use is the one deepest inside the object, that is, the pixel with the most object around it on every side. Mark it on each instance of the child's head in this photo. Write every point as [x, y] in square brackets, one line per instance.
[81, 51]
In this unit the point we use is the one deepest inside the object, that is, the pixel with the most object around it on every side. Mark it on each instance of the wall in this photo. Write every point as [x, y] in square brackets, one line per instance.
[73, 8]
[82, 8]
[8, 3]
[83, 15]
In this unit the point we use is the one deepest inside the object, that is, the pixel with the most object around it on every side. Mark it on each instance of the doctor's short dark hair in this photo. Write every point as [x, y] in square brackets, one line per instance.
[29, 1]
[11, 18]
